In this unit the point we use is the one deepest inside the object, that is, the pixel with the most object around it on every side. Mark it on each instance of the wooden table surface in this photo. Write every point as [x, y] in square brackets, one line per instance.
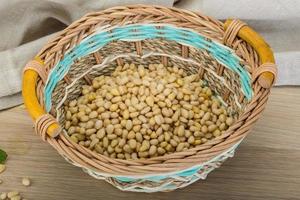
[266, 165]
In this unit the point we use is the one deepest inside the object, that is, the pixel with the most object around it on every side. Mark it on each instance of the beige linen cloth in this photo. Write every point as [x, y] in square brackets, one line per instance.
[26, 25]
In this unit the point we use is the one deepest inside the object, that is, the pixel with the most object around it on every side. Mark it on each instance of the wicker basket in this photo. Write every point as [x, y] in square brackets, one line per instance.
[232, 58]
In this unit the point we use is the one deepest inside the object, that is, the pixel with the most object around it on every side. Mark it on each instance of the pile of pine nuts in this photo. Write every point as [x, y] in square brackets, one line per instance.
[13, 195]
[139, 112]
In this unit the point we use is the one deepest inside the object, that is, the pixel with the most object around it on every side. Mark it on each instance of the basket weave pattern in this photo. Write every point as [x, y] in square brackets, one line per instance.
[171, 171]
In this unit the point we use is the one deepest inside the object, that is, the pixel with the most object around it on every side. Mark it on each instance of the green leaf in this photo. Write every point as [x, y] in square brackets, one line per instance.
[3, 156]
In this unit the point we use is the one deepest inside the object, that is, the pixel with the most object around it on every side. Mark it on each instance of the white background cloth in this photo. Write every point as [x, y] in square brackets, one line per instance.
[26, 25]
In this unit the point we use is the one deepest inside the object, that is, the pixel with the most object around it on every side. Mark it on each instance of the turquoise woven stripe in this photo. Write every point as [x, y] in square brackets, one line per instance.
[137, 32]
[185, 173]
[191, 172]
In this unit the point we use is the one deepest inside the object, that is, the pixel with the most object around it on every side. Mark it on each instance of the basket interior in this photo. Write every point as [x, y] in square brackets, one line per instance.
[224, 82]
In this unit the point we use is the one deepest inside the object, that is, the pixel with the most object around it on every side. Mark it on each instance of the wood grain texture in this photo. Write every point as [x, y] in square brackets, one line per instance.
[266, 165]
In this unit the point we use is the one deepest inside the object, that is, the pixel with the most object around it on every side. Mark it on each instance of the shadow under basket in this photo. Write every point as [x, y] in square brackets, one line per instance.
[230, 57]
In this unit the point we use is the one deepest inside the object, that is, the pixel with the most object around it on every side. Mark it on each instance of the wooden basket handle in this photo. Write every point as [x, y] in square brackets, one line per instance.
[31, 102]
[266, 79]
